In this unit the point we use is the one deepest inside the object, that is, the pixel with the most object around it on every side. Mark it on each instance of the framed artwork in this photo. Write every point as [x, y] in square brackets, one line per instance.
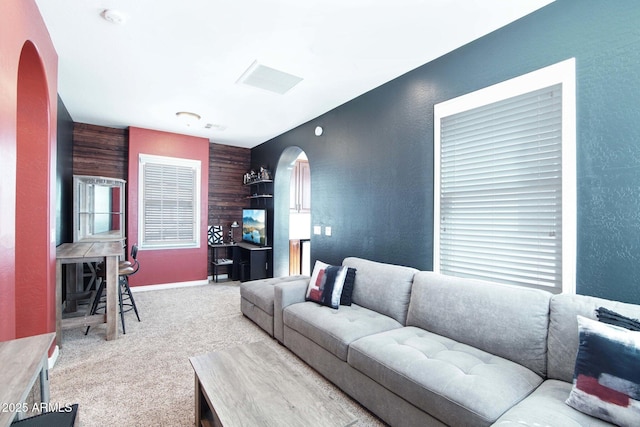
[214, 234]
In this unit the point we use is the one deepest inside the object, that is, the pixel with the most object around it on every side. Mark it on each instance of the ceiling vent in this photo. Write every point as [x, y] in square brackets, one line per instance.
[267, 78]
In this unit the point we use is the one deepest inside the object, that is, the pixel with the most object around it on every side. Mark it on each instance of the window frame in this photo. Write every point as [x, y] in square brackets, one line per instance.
[560, 73]
[196, 166]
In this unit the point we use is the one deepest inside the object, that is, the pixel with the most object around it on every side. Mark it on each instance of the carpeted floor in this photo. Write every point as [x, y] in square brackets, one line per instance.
[144, 378]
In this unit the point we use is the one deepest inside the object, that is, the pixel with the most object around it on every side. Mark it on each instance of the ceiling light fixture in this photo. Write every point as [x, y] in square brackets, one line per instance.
[188, 117]
[114, 16]
[318, 131]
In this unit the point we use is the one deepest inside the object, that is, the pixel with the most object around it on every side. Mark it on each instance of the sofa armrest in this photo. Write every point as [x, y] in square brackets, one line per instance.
[286, 294]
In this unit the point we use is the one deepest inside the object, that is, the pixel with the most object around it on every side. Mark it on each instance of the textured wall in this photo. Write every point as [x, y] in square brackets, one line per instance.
[372, 169]
[227, 194]
[29, 62]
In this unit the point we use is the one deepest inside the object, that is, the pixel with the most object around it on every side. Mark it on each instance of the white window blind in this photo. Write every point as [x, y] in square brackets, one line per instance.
[501, 190]
[169, 206]
[505, 181]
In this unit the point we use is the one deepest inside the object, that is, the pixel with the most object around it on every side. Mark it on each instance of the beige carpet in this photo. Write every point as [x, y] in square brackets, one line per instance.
[144, 378]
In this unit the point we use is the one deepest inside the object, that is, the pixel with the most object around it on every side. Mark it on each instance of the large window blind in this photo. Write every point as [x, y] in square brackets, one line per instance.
[501, 191]
[169, 206]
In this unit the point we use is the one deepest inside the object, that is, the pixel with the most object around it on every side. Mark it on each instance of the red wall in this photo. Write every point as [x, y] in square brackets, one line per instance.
[174, 265]
[20, 23]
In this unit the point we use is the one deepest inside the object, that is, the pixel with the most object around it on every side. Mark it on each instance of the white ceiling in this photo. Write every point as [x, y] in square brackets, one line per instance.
[188, 55]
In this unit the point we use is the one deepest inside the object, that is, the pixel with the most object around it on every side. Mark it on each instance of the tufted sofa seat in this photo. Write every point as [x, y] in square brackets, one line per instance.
[335, 330]
[456, 383]
[471, 349]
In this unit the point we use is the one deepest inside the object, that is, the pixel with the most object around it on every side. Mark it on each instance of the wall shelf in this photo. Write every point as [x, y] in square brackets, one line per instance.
[258, 181]
[261, 188]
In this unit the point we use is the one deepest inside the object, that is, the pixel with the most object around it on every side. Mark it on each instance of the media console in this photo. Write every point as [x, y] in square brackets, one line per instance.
[244, 261]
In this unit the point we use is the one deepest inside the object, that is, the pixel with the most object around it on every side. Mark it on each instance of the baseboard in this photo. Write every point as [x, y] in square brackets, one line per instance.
[168, 286]
[54, 357]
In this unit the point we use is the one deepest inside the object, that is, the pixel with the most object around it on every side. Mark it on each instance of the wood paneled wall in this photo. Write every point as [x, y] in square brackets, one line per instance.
[100, 151]
[227, 194]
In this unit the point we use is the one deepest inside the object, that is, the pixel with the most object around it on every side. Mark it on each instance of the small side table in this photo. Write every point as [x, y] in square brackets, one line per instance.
[220, 257]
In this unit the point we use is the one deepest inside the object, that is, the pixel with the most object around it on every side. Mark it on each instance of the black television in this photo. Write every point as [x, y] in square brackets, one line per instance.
[254, 226]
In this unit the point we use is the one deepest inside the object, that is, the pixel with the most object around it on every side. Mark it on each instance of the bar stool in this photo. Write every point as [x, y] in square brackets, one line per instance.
[125, 297]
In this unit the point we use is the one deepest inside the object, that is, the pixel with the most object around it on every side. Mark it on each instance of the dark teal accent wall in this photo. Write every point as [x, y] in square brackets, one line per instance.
[64, 176]
[372, 169]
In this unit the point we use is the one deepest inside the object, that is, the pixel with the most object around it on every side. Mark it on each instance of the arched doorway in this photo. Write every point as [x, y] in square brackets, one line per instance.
[34, 286]
[283, 220]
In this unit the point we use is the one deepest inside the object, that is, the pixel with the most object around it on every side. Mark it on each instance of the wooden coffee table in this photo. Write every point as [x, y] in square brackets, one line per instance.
[252, 385]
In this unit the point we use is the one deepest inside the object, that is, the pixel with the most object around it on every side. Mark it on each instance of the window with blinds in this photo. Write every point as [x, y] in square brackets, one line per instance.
[502, 186]
[169, 207]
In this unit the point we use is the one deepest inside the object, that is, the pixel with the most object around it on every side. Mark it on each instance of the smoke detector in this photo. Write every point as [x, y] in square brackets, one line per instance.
[114, 16]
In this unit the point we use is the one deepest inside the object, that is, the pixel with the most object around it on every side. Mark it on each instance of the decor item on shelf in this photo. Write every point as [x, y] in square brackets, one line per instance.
[262, 175]
[234, 224]
[265, 174]
[214, 234]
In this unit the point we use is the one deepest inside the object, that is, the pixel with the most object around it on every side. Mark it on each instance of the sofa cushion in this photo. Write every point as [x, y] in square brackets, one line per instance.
[606, 381]
[563, 329]
[334, 330]
[546, 407]
[385, 288]
[456, 383]
[508, 321]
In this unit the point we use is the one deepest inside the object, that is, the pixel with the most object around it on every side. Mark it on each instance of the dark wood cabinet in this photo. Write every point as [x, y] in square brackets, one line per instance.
[250, 262]
[242, 261]
[300, 188]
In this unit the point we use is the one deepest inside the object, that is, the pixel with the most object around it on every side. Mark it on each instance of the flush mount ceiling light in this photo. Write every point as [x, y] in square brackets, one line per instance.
[318, 131]
[188, 117]
[267, 78]
[114, 16]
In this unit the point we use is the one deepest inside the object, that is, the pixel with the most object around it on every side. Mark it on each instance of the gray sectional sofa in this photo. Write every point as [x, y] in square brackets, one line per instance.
[422, 349]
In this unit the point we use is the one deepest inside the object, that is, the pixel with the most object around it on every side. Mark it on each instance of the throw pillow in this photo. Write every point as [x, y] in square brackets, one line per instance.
[347, 289]
[325, 286]
[611, 317]
[606, 382]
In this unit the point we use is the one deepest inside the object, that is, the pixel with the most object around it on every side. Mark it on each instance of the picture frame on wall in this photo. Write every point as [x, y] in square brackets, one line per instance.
[214, 234]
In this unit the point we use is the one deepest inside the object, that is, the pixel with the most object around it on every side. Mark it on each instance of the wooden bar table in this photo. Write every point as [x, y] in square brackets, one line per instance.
[82, 252]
